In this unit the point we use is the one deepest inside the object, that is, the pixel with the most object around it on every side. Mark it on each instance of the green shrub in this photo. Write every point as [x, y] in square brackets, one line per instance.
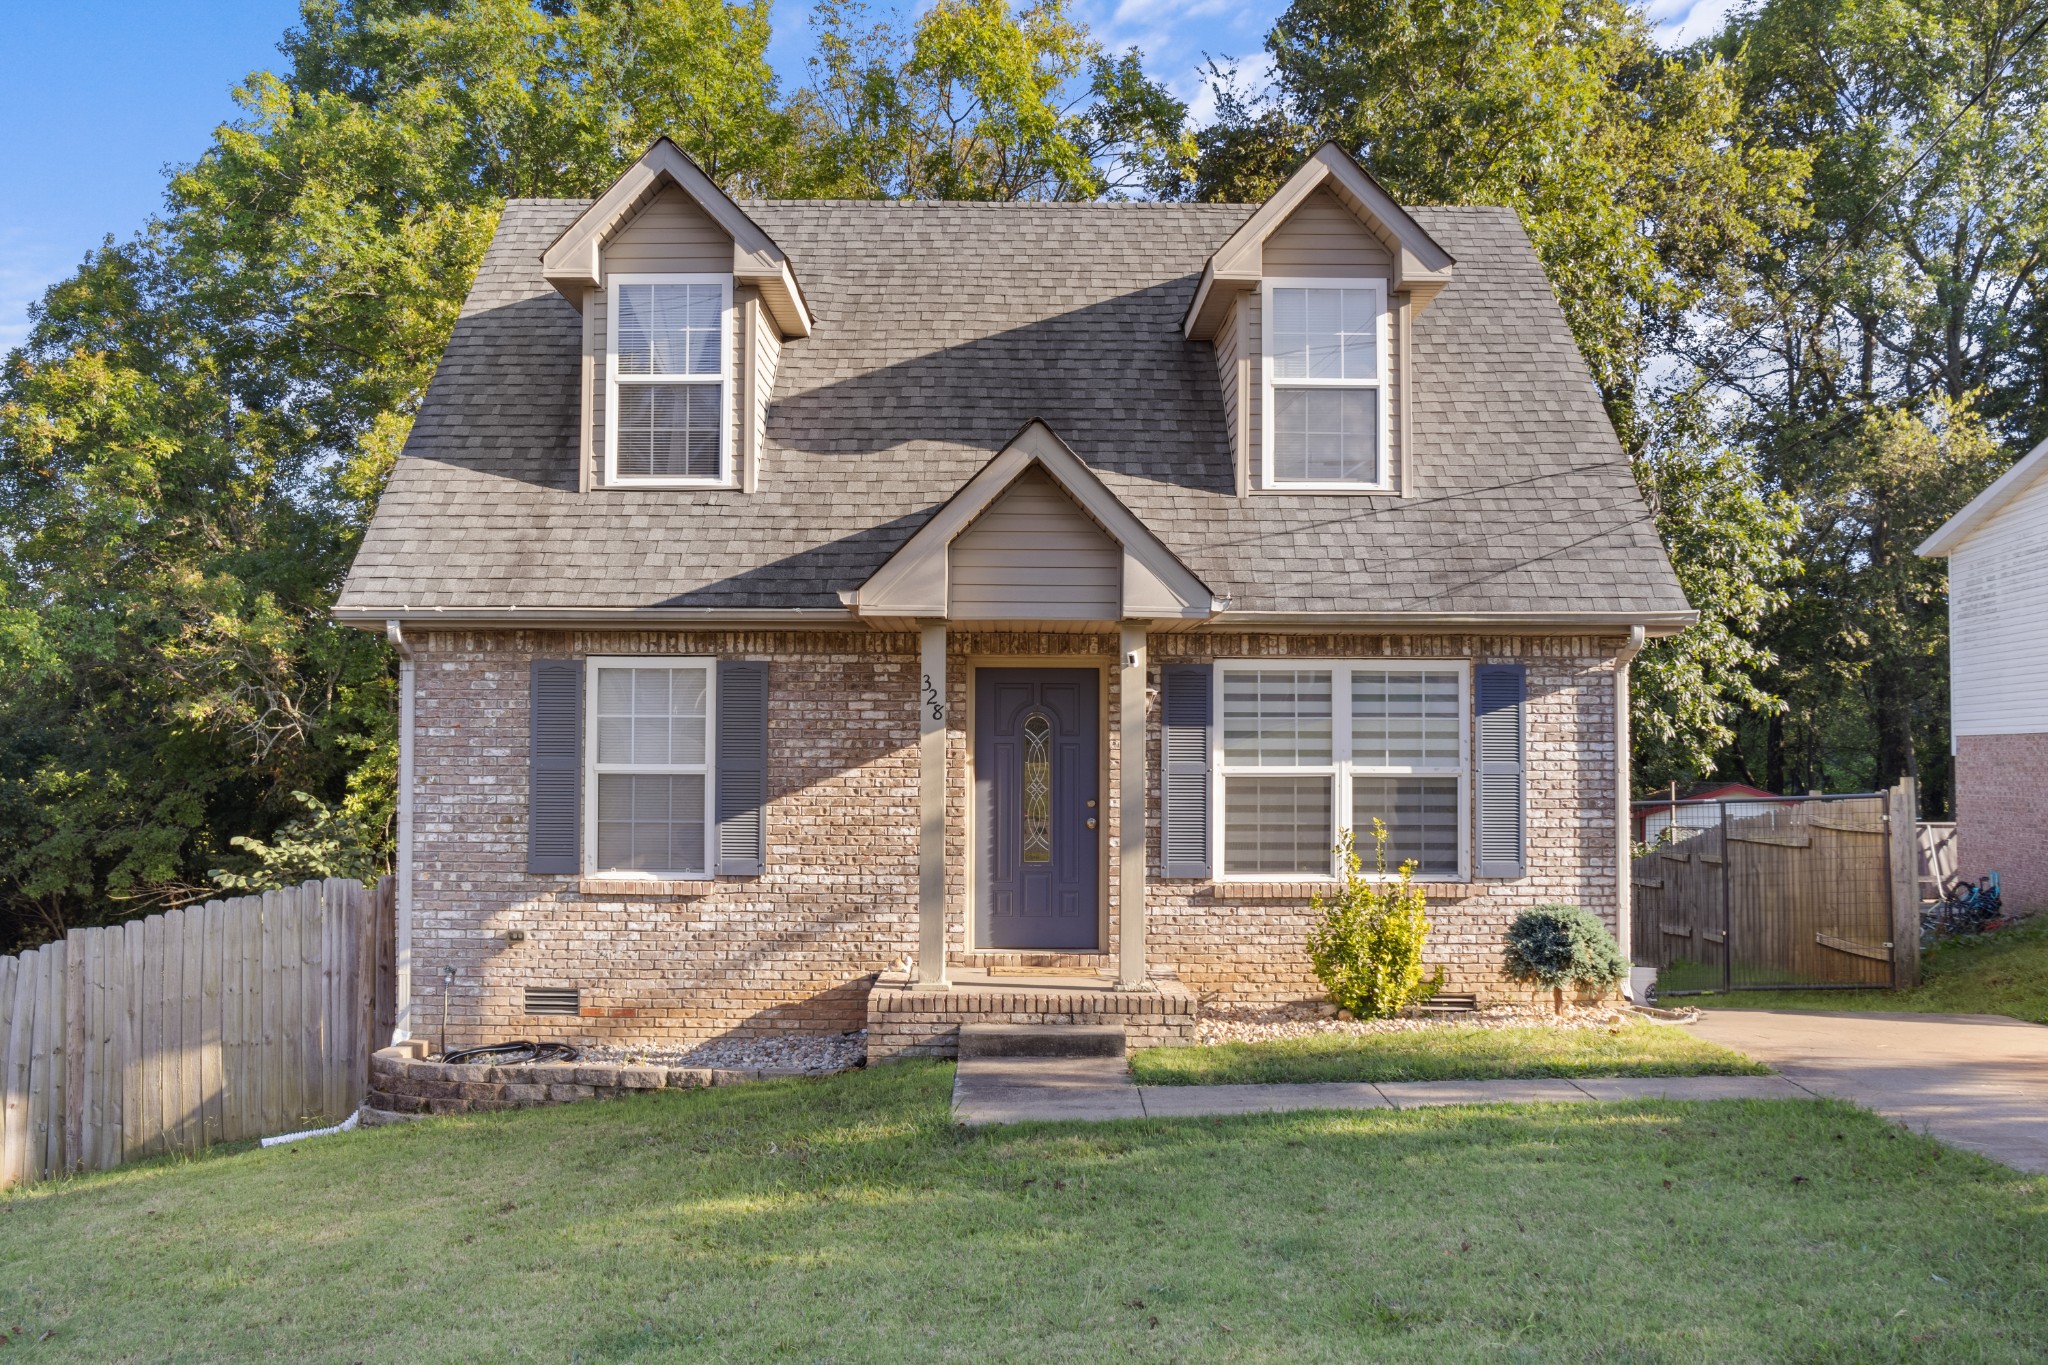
[1366, 946]
[1560, 945]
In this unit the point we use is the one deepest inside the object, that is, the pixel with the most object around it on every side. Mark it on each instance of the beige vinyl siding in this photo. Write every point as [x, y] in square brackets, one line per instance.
[1229, 354]
[595, 330]
[1322, 239]
[1034, 555]
[671, 236]
[1998, 621]
[1249, 306]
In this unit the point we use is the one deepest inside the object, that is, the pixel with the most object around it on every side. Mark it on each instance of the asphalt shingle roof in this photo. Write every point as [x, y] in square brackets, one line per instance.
[940, 330]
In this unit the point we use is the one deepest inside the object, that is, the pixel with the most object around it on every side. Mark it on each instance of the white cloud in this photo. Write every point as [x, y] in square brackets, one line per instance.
[1678, 22]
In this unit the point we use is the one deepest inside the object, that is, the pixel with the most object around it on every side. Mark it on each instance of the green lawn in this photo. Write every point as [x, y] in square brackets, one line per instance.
[2005, 972]
[1638, 1048]
[848, 1220]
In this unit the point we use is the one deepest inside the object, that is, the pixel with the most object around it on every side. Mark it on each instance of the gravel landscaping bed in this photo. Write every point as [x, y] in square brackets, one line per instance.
[1229, 1023]
[801, 1052]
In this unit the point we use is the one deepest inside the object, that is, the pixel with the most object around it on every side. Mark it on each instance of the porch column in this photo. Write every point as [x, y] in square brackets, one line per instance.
[1130, 816]
[931, 805]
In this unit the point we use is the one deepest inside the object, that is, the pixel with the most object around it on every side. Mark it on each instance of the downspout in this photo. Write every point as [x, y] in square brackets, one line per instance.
[402, 951]
[1624, 892]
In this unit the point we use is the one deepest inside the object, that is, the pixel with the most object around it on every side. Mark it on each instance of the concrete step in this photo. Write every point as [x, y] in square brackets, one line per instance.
[1041, 1040]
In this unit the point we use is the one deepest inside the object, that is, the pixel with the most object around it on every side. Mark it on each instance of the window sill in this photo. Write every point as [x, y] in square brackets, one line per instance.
[703, 485]
[1354, 490]
[1301, 891]
[646, 886]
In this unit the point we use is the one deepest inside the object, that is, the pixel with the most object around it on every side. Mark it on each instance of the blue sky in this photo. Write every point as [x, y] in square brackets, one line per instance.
[97, 97]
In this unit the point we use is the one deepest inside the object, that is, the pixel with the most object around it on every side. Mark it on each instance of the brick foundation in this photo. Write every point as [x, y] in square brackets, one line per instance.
[2002, 815]
[797, 949]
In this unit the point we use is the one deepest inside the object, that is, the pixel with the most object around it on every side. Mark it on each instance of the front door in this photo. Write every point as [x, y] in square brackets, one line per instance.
[1036, 808]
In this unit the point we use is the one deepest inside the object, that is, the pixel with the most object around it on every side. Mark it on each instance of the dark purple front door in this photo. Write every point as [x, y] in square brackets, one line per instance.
[1036, 808]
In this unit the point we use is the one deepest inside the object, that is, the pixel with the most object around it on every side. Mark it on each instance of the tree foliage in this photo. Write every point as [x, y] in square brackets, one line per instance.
[979, 101]
[1884, 355]
[202, 417]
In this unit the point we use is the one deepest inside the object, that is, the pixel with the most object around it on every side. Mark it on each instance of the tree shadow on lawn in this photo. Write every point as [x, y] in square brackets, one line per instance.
[850, 1219]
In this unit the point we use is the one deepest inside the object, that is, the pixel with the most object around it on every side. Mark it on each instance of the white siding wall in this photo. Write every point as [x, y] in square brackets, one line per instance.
[1998, 621]
[1035, 556]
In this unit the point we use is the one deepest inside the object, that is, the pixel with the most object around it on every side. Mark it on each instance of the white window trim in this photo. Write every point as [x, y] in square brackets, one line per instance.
[708, 767]
[1341, 769]
[1267, 479]
[725, 381]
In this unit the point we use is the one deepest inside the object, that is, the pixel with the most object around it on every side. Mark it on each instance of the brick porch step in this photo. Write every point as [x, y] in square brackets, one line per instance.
[1041, 1040]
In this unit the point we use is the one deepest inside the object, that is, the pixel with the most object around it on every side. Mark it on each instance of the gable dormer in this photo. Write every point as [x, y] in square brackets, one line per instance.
[1310, 305]
[686, 303]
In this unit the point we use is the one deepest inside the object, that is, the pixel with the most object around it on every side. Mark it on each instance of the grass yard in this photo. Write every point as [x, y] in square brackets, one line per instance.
[848, 1220]
[2005, 972]
[1637, 1048]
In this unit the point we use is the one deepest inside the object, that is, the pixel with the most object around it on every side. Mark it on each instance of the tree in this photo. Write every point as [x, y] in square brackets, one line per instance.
[192, 438]
[1886, 343]
[982, 102]
[1864, 645]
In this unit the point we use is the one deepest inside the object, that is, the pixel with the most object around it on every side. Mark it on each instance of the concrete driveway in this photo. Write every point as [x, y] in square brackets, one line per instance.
[1975, 1081]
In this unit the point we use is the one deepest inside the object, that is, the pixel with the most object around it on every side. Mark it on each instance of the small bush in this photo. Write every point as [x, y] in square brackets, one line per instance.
[1366, 946]
[1560, 945]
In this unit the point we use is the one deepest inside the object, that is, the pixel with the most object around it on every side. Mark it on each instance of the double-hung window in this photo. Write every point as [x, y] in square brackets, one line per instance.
[1306, 748]
[668, 409]
[648, 788]
[1324, 346]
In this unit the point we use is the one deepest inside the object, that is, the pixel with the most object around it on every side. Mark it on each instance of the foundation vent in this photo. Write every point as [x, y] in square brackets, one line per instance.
[553, 1000]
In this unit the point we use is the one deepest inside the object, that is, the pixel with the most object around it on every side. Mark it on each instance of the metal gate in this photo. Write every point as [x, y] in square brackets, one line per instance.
[1779, 893]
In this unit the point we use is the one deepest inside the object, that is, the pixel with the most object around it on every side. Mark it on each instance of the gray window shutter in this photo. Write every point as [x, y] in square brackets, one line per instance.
[1499, 692]
[742, 766]
[554, 773]
[1185, 716]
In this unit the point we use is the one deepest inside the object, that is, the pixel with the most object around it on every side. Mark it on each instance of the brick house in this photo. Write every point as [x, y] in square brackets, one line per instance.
[1997, 552]
[827, 614]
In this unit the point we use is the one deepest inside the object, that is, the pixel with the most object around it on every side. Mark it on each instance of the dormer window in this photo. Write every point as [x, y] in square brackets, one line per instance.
[669, 380]
[1324, 358]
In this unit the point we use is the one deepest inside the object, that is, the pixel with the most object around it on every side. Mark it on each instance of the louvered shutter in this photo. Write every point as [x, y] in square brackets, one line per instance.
[1499, 693]
[742, 766]
[1185, 713]
[554, 772]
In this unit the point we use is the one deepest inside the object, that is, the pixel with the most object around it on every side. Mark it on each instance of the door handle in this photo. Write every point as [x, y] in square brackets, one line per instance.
[1091, 822]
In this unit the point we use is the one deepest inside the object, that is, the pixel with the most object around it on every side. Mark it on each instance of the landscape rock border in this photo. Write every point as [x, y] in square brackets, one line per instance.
[404, 1085]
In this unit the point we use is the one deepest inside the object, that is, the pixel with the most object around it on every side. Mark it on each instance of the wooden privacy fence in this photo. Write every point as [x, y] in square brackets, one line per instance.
[1783, 893]
[233, 1019]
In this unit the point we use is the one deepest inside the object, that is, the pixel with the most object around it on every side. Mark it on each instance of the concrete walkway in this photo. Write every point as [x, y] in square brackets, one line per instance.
[1975, 1081]
[1019, 1089]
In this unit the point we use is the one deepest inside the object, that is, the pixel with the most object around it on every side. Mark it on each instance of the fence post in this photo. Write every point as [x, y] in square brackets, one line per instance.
[1902, 812]
[1727, 906]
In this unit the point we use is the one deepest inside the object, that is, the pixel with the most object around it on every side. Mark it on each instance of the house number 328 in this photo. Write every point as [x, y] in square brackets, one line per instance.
[934, 704]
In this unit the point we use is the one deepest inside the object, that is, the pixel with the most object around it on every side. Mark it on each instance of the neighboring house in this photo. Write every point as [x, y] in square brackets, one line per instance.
[1997, 552]
[793, 592]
